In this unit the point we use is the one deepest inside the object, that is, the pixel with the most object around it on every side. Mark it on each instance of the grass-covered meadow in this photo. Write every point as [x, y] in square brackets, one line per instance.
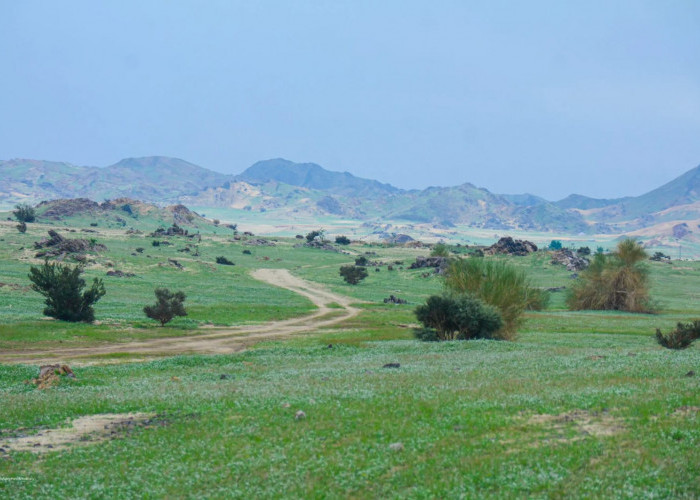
[582, 404]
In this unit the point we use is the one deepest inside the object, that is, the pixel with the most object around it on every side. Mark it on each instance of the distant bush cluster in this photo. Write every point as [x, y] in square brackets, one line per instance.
[24, 213]
[617, 281]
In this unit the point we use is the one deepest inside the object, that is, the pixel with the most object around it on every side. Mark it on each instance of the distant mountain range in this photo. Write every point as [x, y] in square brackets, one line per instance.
[289, 189]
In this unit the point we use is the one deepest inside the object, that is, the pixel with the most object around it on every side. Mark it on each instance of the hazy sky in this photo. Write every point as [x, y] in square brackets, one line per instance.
[594, 97]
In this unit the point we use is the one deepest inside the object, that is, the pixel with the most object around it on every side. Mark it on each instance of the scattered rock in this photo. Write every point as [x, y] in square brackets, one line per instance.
[260, 242]
[438, 263]
[286, 405]
[392, 365]
[57, 245]
[394, 300]
[396, 446]
[330, 346]
[299, 415]
[567, 258]
[509, 246]
[173, 230]
[556, 289]
[397, 239]
[176, 263]
[50, 375]
[224, 376]
[120, 274]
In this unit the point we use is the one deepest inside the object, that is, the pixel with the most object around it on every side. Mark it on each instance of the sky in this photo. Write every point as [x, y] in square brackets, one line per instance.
[551, 98]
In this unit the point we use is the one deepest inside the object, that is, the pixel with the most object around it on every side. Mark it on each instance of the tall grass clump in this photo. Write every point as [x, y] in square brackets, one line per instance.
[499, 284]
[615, 282]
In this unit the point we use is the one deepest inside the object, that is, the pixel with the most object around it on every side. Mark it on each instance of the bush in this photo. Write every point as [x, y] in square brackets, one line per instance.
[167, 306]
[615, 282]
[681, 337]
[659, 256]
[342, 240]
[498, 284]
[22, 227]
[353, 274]
[314, 234]
[460, 317]
[361, 261]
[224, 261]
[584, 251]
[555, 245]
[62, 286]
[440, 250]
[247, 252]
[155, 243]
[24, 213]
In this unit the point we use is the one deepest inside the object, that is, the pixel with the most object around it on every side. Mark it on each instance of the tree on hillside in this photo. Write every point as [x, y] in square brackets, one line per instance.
[618, 281]
[167, 306]
[24, 212]
[62, 286]
[353, 274]
[555, 245]
[440, 250]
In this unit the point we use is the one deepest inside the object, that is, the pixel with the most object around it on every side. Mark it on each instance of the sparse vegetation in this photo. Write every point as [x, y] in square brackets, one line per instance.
[498, 284]
[62, 287]
[457, 317]
[440, 250]
[618, 282]
[224, 261]
[342, 240]
[353, 274]
[24, 212]
[168, 305]
[680, 338]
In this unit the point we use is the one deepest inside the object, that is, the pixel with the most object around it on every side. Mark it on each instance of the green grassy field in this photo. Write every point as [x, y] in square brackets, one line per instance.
[583, 404]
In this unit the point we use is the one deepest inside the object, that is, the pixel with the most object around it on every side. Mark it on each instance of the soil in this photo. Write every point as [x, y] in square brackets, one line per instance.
[220, 340]
[84, 430]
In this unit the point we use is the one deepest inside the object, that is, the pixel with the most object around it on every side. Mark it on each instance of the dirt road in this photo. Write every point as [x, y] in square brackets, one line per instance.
[218, 340]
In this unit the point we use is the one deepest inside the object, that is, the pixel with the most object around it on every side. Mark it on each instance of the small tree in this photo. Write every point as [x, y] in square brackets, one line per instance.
[62, 286]
[315, 234]
[440, 250]
[460, 317]
[167, 306]
[342, 240]
[361, 261]
[353, 274]
[24, 212]
[681, 337]
[555, 245]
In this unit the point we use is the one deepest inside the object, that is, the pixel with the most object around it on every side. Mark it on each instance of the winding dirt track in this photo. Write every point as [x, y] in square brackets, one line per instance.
[221, 340]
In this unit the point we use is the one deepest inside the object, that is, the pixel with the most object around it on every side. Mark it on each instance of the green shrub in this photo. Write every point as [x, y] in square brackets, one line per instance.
[22, 227]
[555, 245]
[498, 284]
[342, 240]
[584, 251]
[681, 337]
[24, 212]
[224, 261]
[353, 274]
[361, 261]
[459, 317]
[63, 288]
[315, 234]
[167, 306]
[614, 282]
[440, 250]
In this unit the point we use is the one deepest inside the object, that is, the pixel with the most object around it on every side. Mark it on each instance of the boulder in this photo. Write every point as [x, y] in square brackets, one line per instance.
[509, 246]
[567, 258]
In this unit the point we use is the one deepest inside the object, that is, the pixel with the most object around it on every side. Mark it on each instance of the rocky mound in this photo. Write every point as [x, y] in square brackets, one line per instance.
[68, 207]
[439, 263]
[509, 246]
[567, 258]
[57, 245]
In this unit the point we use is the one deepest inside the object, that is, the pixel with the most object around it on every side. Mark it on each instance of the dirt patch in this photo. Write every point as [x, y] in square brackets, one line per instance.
[565, 428]
[584, 422]
[685, 411]
[83, 431]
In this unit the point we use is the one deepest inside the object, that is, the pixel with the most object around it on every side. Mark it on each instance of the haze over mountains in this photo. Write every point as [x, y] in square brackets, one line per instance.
[289, 189]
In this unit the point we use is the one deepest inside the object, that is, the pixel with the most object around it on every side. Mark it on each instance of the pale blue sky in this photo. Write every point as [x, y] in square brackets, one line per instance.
[594, 97]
